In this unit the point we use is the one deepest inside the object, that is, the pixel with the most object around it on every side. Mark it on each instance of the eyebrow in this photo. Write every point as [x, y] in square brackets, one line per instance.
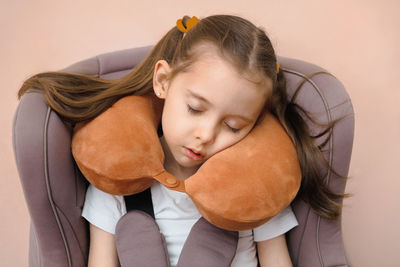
[209, 103]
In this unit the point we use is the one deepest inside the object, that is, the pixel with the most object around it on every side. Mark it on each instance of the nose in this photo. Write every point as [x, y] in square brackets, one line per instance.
[206, 133]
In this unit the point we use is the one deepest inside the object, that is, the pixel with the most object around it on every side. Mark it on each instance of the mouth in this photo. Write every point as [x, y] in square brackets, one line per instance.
[192, 154]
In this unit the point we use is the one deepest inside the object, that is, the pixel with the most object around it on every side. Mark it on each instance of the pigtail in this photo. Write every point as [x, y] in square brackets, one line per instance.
[79, 97]
[313, 190]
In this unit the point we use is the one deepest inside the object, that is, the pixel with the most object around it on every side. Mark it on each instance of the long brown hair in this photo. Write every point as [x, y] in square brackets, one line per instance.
[77, 97]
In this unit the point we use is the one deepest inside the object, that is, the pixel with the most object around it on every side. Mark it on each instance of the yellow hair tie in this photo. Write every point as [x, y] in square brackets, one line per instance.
[189, 24]
[277, 67]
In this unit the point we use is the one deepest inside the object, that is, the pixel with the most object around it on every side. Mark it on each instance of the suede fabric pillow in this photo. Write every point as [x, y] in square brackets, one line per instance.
[238, 188]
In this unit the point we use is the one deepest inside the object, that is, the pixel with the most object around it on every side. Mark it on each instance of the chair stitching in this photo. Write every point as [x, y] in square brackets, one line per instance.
[330, 145]
[46, 172]
[73, 232]
[99, 68]
[14, 135]
[76, 174]
[302, 236]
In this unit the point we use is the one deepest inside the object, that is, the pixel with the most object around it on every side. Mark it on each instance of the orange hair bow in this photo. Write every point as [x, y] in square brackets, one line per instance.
[189, 24]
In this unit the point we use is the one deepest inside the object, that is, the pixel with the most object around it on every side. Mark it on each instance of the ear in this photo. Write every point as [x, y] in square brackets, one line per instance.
[160, 78]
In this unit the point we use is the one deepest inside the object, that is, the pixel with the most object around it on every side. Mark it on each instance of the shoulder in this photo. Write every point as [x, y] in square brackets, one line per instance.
[278, 225]
[102, 209]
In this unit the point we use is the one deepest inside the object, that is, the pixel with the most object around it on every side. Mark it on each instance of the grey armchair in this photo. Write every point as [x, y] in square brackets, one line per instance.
[55, 189]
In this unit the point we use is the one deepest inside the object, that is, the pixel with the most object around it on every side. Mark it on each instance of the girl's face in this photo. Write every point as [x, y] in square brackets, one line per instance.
[207, 108]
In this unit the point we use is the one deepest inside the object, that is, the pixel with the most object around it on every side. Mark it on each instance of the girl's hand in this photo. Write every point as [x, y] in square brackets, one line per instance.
[274, 252]
[103, 250]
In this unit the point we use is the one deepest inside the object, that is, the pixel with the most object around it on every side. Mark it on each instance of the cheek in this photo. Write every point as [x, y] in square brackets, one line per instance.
[174, 121]
[225, 140]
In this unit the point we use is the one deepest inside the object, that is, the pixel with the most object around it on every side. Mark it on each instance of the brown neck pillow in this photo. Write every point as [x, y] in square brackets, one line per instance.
[238, 188]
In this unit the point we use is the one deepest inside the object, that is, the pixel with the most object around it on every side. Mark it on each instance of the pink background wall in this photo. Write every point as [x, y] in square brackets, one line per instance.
[358, 41]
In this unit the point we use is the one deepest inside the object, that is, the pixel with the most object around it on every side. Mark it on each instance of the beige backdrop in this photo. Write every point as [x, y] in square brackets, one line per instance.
[358, 41]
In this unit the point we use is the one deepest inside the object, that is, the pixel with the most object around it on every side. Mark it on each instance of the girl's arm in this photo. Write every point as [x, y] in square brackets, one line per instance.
[103, 250]
[274, 252]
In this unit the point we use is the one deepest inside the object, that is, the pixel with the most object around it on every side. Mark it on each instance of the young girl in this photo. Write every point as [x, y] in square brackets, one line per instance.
[216, 76]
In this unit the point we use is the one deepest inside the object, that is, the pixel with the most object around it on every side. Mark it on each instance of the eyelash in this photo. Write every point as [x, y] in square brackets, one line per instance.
[192, 110]
[195, 111]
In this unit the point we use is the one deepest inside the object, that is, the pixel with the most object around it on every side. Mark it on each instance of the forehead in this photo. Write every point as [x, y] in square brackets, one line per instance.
[206, 52]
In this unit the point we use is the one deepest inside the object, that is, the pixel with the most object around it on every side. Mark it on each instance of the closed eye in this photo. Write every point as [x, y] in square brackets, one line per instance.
[233, 129]
[195, 111]
[192, 110]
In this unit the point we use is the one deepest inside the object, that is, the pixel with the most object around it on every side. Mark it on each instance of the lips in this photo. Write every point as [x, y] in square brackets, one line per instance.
[193, 154]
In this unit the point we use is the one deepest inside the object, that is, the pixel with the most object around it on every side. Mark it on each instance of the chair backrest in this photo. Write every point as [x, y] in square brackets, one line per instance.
[55, 189]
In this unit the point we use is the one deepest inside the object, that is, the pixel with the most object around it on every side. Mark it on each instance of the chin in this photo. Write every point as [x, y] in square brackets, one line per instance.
[188, 163]
[191, 164]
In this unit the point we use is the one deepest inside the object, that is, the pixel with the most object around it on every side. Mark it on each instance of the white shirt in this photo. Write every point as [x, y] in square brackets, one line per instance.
[175, 214]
